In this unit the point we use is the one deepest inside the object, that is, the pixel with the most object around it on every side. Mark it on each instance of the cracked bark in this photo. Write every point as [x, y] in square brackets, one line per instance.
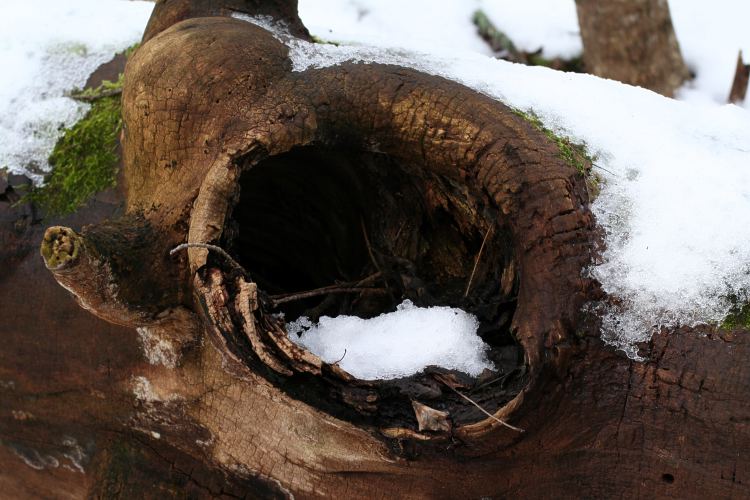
[228, 418]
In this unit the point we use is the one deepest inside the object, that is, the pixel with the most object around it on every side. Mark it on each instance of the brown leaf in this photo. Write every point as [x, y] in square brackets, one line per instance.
[430, 419]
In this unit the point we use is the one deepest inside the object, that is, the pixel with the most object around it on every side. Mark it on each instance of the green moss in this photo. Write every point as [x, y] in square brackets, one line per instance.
[106, 89]
[129, 51]
[573, 64]
[504, 47]
[738, 319]
[573, 153]
[84, 160]
[317, 39]
[739, 313]
[497, 40]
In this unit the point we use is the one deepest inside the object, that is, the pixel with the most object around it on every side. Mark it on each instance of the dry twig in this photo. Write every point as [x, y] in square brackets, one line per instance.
[212, 248]
[323, 291]
[83, 97]
[372, 255]
[476, 261]
[351, 287]
[445, 382]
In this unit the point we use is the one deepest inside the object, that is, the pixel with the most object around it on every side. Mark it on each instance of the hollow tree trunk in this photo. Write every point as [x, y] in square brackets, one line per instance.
[632, 41]
[197, 392]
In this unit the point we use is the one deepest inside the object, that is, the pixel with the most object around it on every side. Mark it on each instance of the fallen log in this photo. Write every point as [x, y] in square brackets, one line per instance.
[262, 161]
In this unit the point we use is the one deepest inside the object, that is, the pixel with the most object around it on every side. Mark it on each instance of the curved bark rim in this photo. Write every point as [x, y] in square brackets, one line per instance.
[439, 125]
[208, 217]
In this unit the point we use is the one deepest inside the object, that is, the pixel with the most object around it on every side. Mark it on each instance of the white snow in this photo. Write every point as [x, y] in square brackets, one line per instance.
[47, 48]
[551, 25]
[436, 25]
[710, 35]
[396, 344]
[158, 349]
[430, 25]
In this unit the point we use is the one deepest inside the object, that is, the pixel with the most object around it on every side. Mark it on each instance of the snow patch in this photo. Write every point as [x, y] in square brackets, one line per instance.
[436, 25]
[34, 459]
[142, 389]
[75, 454]
[396, 344]
[550, 25]
[421, 25]
[47, 48]
[157, 349]
[710, 35]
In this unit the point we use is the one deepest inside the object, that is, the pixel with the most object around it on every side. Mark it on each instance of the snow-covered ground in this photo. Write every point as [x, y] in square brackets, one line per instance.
[710, 33]
[47, 48]
[676, 197]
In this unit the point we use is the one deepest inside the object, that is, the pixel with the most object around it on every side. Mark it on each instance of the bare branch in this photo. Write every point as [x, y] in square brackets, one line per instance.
[213, 248]
[442, 380]
[476, 261]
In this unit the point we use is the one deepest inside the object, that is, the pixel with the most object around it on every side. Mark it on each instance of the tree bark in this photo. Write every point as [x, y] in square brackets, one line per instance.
[739, 82]
[197, 392]
[632, 41]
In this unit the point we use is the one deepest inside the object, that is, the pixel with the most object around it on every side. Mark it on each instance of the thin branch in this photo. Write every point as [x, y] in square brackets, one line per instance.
[340, 359]
[84, 97]
[368, 279]
[501, 379]
[604, 169]
[398, 233]
[324, 291]
[467, 398]
[212, 248]
[350, 284]
[476, 261]
[372, 255]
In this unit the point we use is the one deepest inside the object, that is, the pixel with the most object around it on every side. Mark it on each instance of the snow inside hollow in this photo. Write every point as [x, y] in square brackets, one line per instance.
[396, 344]
[47, 48]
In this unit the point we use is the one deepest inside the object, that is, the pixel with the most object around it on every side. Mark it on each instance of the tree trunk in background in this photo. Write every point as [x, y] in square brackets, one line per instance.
[632, 41]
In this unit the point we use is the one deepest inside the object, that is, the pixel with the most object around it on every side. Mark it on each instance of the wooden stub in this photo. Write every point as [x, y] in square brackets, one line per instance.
[739, 84]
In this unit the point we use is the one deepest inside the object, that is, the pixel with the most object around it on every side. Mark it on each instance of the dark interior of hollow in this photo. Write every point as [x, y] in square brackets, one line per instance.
[316, 217]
